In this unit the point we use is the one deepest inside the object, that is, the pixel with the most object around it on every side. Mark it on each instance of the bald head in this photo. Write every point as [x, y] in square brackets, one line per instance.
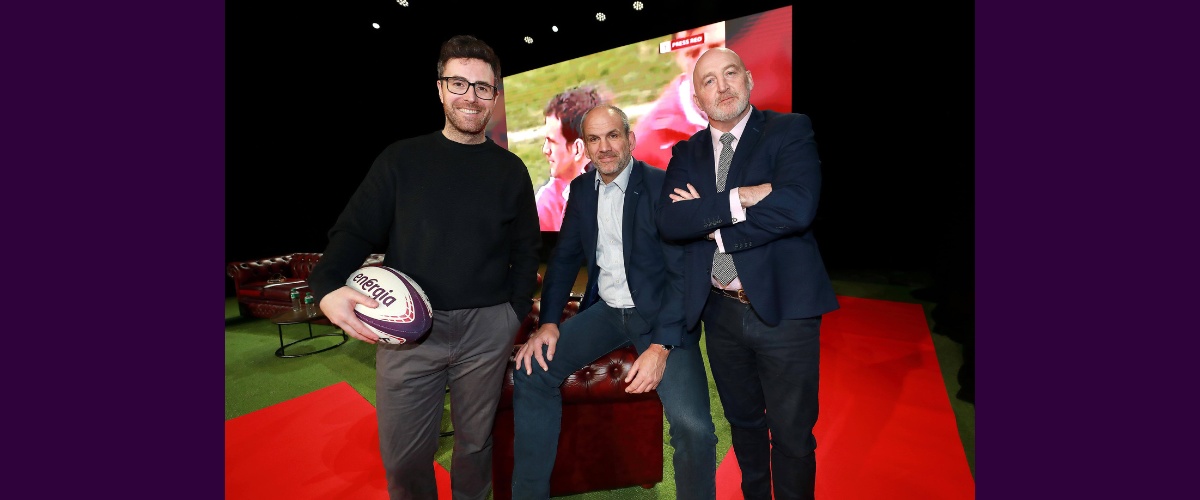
[713, 60]
[722, 86]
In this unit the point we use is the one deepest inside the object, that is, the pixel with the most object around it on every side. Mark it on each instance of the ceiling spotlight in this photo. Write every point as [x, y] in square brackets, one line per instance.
[403, 3]
[636, 5]
[554, 29]
[375, 25]
[529, 39]
[600, 16]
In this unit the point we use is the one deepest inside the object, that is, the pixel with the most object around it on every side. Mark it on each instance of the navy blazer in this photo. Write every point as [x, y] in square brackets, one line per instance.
[776, 255]
[653, 266]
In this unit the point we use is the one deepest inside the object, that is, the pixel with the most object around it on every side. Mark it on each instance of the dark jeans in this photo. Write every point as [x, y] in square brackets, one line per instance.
[766, 378]
[597, 330]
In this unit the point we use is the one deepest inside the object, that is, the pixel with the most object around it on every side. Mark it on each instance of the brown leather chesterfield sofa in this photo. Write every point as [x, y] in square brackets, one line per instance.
[609, 439]
[263, 287]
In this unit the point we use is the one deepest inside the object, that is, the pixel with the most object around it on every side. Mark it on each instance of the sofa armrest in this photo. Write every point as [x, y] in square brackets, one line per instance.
[302, 264]
[259, 270]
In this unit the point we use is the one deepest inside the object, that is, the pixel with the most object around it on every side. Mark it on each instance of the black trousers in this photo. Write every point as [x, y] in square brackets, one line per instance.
[767, 378]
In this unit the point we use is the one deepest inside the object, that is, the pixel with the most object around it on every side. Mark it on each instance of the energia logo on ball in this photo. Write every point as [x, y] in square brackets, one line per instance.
[374, 290]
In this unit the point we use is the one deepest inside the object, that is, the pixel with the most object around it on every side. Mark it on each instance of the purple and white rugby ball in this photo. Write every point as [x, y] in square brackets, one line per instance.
[404, 313]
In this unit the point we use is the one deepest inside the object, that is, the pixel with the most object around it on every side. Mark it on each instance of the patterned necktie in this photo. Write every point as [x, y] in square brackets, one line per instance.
[723, 269]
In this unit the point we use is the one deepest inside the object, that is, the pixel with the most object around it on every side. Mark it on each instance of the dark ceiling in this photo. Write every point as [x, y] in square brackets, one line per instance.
[504, 25]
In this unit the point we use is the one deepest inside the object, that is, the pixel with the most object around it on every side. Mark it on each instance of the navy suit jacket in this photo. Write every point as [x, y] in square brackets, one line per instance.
[653, 266]
[776, 255]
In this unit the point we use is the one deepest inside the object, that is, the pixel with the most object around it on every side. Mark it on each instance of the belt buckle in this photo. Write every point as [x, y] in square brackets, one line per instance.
[741, 296]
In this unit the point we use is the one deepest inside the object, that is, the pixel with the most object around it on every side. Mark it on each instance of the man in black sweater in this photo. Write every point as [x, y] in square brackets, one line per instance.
[455, 212]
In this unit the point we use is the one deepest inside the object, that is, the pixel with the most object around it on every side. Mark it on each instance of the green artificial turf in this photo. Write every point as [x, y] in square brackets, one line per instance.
[255, 378]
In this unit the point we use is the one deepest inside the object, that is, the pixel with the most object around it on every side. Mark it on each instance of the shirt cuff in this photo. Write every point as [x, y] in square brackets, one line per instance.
[735, 210]
[735, 206]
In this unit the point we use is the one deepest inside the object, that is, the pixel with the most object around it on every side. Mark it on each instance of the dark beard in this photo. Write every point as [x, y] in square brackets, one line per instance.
[464, 125]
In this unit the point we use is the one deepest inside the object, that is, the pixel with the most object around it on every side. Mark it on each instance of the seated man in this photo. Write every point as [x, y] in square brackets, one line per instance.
[636, 301]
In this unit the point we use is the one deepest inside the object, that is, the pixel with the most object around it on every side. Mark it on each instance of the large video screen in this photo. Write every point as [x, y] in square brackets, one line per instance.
[540, 111]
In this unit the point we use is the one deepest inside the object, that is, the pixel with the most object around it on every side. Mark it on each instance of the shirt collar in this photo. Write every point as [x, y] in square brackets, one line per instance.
[622, 180]
[736, 131]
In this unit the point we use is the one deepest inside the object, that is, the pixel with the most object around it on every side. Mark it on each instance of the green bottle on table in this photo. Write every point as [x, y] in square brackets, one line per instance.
[310, 305]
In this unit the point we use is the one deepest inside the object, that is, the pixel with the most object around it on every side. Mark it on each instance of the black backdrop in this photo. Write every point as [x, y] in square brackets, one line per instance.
[313, 94]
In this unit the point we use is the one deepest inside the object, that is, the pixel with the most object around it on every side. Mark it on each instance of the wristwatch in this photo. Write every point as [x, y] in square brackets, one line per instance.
[667, 347]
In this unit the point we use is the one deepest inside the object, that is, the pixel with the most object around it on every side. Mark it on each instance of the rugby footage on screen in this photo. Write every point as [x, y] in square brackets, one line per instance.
[540, 110]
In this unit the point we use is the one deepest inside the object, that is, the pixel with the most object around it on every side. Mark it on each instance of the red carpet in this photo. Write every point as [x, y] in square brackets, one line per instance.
[886, 429]
[322, 445]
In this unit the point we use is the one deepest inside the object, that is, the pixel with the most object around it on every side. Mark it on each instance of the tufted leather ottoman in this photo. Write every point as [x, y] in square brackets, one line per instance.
[609, 439]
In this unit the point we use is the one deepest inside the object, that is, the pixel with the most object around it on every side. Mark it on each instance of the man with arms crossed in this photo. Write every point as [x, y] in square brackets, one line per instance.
[744, 193]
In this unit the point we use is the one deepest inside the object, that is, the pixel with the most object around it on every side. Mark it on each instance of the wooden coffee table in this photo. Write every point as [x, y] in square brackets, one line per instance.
[301, 317]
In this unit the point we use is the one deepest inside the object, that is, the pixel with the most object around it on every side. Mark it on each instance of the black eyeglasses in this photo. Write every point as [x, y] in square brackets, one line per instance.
[458, 85]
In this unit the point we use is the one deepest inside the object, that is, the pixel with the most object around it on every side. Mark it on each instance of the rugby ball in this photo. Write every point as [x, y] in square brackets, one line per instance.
[404, 313]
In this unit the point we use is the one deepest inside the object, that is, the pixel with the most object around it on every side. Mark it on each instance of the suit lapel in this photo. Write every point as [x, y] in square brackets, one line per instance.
[591, 200]
[750, 137]
[633, 192]
[705, 179]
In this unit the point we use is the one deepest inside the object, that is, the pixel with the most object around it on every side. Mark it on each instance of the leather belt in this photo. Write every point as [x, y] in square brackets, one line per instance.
[738, 295]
